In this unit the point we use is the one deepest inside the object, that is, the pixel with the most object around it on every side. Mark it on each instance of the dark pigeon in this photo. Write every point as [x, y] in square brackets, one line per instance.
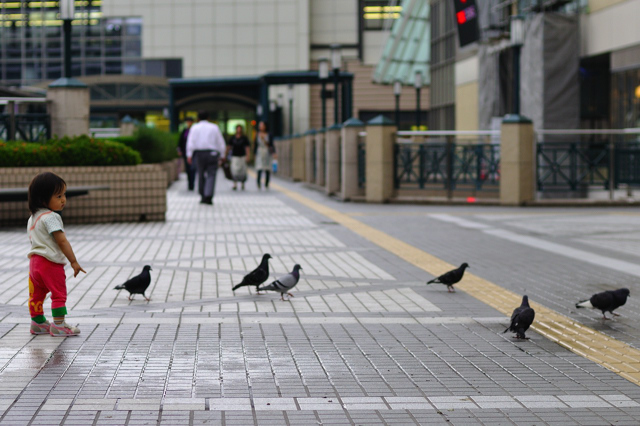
[137, 284]
[257, 276]
[607, 301]
[521, 319]
[451, 277]
[286, 283]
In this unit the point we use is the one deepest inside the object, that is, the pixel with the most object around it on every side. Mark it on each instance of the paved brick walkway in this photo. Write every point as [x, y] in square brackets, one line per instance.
[363, 341]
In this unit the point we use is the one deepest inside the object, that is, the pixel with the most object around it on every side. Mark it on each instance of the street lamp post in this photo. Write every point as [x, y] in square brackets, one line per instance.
[323, 75]
[336, 62]
[67, 12]
[397, 89]
[417, 83]
[517, 39]
[290, 93]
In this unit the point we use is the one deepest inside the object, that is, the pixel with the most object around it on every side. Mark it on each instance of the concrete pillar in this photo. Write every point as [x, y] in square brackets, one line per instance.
[309, 145]
[320, 159]
[298, 164]
[379, 145]
[127, 126]
[517, 161]
[332, 159]
[349, 134]
[69, 107]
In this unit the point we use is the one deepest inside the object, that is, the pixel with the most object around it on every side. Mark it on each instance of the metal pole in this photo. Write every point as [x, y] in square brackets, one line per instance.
[324, 105]
[336, 96]
[417, 108]
[516, 80]
[290, 116]
[612, 174]
[66, 26]
[398, 111]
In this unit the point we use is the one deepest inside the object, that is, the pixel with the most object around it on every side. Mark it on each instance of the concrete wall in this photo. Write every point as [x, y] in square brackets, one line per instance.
[611, 25]
[466, 80]
[135, 193]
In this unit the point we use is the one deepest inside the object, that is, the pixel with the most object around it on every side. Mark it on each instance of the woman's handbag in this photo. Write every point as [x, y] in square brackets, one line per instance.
[226, 168]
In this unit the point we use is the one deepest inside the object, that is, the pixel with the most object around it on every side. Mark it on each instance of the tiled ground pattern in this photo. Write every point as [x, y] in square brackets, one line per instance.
[362, 342]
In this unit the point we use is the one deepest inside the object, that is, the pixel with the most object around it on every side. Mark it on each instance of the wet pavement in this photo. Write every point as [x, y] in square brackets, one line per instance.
[364, 340]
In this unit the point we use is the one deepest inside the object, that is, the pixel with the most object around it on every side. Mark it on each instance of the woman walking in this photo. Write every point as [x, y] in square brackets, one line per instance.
[239, 147]
[264, 149]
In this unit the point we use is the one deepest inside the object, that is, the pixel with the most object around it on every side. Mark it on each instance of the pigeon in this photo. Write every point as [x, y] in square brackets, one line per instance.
[451, 277]
[257, 276]
[286, 283]
[607, 301]
[137, 284]
[521, 319]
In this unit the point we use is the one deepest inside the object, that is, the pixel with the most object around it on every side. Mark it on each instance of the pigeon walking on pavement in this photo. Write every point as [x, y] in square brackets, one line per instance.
[450, 278]
[286, 283]
[521, 319]
[257, 276]
[137, 284]
[607, 301]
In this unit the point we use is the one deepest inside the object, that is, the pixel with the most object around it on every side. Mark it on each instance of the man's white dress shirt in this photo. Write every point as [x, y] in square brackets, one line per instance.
[205, 135]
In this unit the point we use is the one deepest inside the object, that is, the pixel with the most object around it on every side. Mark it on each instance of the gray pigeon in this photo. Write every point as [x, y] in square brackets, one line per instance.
[607, 301]
[285, 283]
[450, 278]
[137, 284]
[521, 319]
[257, 276]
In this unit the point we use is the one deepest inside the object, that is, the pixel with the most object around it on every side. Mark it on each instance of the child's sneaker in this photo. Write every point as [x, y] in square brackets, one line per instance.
[40, 328]
[63, 330]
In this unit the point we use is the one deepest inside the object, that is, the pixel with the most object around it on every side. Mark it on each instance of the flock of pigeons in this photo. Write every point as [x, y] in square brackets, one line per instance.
[283, 285]
[521, 319]
[523, 316]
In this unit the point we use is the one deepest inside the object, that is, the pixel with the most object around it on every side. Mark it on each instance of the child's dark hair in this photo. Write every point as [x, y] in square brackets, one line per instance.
[42, 188]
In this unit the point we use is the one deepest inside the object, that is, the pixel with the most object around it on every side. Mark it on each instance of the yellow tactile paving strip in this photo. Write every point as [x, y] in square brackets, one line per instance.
[612, 354]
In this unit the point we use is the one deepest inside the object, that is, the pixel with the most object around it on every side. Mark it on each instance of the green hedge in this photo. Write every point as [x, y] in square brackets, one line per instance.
[77, 151]
[155, 146]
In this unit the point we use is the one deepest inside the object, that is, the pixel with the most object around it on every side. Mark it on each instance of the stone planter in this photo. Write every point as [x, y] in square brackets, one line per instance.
[136, 193]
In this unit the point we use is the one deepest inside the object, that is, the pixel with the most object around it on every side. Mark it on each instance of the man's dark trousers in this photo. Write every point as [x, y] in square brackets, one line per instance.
[207, 166]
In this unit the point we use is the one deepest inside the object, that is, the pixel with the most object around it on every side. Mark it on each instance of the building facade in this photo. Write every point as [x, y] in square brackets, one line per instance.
[128, 40]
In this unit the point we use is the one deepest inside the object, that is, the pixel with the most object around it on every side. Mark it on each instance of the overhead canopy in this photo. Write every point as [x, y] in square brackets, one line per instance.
[249, 90]
[408, 47]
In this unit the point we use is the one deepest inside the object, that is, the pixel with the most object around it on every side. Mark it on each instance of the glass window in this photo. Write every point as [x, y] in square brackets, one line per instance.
[33, 48]
[14, 50]
[154, 68]
[113, 47]
[133, 48]
[134, 26]
[14, 71]
[113, 67]
[53, 49]
[93, 48]
[54, 70]
[93, 68]
[113, 27]
[133, 68]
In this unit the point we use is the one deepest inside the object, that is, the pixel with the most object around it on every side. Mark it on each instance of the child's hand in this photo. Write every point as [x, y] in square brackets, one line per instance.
[77, 268]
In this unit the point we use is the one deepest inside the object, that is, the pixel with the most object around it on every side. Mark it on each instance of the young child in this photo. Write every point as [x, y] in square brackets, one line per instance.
[49, 248]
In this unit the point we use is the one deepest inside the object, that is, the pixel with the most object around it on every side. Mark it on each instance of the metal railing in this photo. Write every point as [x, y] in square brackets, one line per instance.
[447, 161]
[575, 160]
[16, 124]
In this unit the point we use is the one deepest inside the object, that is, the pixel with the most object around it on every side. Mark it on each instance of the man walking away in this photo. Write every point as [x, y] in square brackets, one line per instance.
[188, 168]
[205, 144]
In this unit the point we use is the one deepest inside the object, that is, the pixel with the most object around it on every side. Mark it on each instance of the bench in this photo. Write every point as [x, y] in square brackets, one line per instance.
[22, 194]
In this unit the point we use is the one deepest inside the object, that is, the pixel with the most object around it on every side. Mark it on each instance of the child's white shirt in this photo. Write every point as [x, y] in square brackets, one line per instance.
[40, 228]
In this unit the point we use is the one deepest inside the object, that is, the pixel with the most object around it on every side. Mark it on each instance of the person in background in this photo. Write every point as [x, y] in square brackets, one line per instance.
[188, 168]
[263, 150]
[205, 145]
[238, 145]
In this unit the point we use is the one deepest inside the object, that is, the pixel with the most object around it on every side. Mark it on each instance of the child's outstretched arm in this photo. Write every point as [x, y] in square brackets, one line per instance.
[65, 246]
